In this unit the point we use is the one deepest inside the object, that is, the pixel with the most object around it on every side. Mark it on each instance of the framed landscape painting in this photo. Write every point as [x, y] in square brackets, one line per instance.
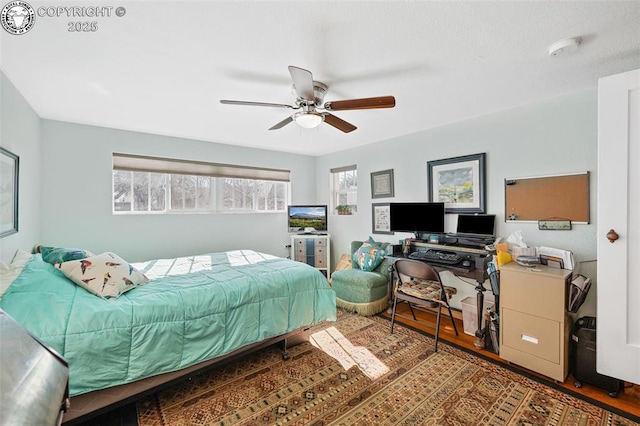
[459, 182]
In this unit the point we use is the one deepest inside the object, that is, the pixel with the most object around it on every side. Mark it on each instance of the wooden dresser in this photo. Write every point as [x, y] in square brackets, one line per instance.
[313, 250]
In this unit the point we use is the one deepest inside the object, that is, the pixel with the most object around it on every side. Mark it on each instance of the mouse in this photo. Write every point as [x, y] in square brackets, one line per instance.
[466, 263]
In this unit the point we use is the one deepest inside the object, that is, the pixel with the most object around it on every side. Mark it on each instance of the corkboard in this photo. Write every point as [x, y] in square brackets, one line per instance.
[548, 197]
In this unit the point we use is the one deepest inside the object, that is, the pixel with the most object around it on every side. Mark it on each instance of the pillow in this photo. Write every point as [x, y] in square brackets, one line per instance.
[106, 275]
[57, 255]
[372, 242]
[20, 258]
[344, 262]
[368, 256]
[8, 273]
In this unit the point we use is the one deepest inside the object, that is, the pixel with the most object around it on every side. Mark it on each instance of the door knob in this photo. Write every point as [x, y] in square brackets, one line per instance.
[612, 236]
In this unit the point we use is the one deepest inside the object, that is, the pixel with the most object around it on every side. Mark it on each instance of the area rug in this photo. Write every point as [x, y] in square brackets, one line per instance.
[354, 372]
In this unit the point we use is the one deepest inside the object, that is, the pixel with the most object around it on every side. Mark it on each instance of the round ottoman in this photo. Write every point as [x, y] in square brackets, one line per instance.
[365, 293]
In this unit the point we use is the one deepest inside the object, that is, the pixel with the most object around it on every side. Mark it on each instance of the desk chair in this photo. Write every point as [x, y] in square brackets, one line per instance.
[419, 285]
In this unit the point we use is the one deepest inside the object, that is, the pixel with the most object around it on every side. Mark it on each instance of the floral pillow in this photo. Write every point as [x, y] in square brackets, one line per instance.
[106, 275]
[369, 256]
[57, 255]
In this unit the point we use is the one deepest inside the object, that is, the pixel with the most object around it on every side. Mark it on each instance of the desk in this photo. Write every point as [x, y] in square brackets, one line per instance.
[477, 271]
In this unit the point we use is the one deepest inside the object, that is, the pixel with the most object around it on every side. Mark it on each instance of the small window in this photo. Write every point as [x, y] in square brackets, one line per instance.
[344, 188]
[154, 185]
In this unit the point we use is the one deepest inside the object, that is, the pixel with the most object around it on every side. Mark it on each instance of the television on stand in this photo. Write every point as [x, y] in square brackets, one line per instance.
[307, 219]
[418, 218]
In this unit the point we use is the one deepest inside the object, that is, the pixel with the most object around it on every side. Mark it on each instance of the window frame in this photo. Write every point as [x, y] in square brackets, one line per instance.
[334, 180]
[260, 192]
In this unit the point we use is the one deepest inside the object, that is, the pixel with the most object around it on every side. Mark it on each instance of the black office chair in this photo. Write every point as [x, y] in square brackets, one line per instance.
[419, 285]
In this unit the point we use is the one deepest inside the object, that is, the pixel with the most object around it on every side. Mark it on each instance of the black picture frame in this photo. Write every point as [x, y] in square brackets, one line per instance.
[459, 182]
[9, 173]
[381, 218]
[382, 184]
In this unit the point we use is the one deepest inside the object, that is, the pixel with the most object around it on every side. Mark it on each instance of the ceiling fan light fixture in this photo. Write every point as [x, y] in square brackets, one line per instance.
[309, 120]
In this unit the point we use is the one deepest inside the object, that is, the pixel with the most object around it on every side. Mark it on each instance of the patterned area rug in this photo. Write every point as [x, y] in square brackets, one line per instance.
[353, 372]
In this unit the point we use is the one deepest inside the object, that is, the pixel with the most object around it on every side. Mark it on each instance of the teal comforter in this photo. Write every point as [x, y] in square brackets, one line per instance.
[193, 309]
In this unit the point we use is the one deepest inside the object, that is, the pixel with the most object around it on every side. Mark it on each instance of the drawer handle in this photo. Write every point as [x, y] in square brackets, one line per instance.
[529, 339]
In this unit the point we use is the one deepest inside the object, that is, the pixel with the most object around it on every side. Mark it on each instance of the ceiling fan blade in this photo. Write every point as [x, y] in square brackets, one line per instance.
[303, 82]
[281, 124]
[263, 104]
[338, 123]
[364, 103]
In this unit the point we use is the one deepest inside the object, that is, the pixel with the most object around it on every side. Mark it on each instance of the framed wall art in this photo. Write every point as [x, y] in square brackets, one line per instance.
[382, 184]
[381, 218]
[459, 182]
[9, 172]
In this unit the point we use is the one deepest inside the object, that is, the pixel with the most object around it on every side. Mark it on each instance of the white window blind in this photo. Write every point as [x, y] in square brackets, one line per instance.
[141, 163]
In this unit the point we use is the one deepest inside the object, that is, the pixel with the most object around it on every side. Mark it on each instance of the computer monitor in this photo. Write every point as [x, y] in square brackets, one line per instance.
[416, 217]
[476, 225]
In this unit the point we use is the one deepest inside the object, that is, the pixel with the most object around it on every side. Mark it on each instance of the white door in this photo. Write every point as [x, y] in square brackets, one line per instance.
[618, 327]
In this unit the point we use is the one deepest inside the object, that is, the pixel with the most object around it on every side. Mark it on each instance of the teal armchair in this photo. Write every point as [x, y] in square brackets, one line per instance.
[363, 292]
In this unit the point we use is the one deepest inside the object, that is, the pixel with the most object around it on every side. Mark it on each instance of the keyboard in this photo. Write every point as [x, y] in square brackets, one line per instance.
[438, 256]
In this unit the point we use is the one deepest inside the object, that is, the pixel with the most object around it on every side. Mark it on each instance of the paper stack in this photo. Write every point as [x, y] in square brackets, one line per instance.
[565, 255]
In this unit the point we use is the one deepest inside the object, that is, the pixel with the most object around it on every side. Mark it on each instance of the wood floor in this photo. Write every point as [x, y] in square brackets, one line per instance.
[628, 401]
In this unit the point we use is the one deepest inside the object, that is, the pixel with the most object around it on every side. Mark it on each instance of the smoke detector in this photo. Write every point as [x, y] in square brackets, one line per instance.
[564, 47]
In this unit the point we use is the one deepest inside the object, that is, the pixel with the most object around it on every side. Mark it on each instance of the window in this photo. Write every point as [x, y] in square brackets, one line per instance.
[344, 187]
[160, 185]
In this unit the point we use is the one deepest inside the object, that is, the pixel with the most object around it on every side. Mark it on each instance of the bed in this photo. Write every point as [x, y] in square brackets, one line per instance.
[193, 309]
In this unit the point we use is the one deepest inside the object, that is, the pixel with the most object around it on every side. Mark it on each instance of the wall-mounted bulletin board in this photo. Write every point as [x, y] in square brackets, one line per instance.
[548, 197]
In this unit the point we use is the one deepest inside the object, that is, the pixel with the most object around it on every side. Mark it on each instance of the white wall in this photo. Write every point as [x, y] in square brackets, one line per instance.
[552, 137]
[66, 172]
[77, 196]
[20, 134]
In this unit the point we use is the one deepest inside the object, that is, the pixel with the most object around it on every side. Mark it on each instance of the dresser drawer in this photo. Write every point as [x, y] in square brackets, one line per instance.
[536, 336]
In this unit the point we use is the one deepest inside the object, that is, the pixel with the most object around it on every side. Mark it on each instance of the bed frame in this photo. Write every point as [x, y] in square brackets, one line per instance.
[89, 405]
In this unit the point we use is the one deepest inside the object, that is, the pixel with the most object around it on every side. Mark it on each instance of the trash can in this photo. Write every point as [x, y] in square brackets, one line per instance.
[470, 314]
[583, 358]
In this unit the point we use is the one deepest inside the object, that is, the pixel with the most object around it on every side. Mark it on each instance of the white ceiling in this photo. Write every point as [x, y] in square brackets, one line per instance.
[163, 67]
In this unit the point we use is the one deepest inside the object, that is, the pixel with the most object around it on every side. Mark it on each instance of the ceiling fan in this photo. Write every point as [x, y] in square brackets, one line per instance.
[311, 111]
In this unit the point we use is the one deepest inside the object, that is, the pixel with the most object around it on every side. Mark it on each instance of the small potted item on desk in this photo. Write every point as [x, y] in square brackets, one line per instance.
[406, 246]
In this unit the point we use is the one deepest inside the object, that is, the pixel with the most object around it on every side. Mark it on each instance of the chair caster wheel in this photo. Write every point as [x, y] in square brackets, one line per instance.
[285, 356]
[577, 384]
[613, 394]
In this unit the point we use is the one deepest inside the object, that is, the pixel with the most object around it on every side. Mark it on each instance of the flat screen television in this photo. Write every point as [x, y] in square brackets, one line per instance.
[307, 218]
[417, 217]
